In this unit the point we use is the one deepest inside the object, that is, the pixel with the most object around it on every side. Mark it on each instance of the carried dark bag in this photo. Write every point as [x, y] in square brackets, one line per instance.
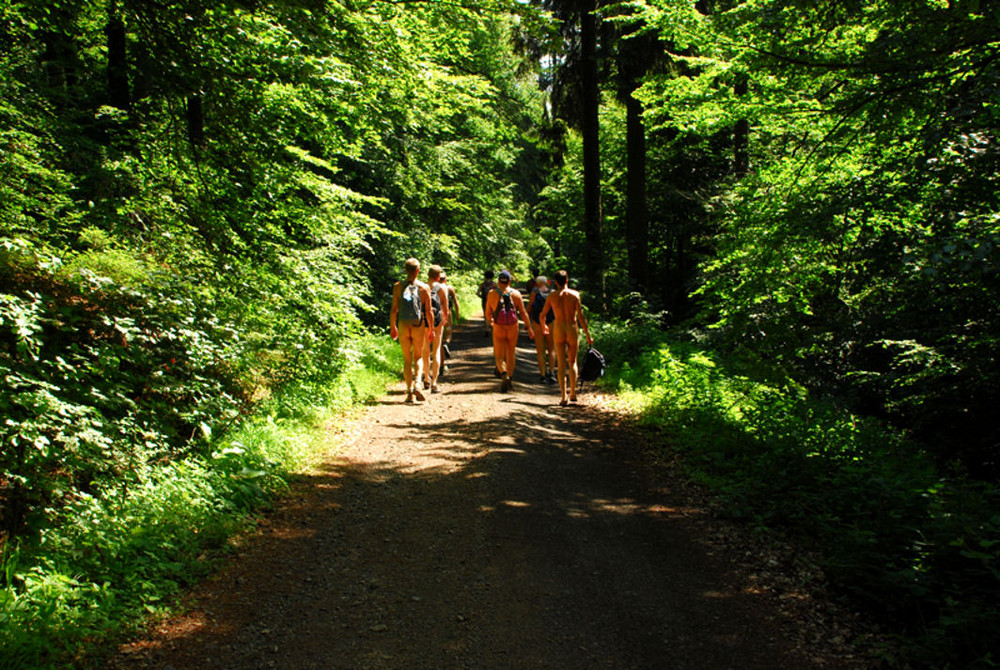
[593, 366]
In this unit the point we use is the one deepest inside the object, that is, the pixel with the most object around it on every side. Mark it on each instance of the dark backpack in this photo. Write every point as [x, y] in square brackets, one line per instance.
[436, 303]
[538, 304]
[593, 366]
[505, 314]
[410, 309]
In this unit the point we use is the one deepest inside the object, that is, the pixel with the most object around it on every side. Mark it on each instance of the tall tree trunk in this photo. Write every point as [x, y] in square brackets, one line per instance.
[195, 120]
[593, 227]
[636, 205]
[741, 134]
[118, 86]
[637, 53]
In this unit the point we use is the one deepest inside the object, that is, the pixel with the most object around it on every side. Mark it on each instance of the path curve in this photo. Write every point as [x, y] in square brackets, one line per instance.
[477, 530]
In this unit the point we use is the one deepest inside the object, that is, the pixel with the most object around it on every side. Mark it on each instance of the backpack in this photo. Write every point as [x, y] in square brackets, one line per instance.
[593, 366]
[436, 303]
[410, 309]
[505, 314]
[537, 304]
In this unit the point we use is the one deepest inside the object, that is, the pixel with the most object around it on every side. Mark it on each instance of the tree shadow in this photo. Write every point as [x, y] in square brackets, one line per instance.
[518, 540]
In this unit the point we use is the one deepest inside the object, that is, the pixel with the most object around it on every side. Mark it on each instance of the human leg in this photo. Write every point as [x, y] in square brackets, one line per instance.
[419, 337]
[550, 354]
[424, 361]
[509, 348]
[411, 339]
[406, 343]
[508, 341]
[435, 347]
[572, 346]
[498, 347]
[560, 346]
[561, 367]
[540, 348]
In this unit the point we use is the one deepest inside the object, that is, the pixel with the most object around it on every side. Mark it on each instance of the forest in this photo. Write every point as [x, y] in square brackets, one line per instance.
[784, 219]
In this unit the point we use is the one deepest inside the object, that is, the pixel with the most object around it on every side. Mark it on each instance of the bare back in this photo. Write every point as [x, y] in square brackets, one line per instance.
[565, 305]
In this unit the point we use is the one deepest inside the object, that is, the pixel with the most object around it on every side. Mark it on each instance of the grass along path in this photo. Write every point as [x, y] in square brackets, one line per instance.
[482, 530]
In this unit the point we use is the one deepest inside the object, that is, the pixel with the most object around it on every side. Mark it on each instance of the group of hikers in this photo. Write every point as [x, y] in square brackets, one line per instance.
[553, 319]
[415, 307]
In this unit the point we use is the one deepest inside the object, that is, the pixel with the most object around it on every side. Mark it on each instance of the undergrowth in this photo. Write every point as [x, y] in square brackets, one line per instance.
[107, 559]
[917, 547]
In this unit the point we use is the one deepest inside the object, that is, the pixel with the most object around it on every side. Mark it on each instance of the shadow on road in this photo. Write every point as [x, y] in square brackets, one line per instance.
[483, 530]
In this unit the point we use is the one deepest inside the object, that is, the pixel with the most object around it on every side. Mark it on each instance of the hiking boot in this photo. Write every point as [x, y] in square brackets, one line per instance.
[418, 395]
[497, 373]
[506, 384]
[435, 389]
[543, 379]
[409, 398]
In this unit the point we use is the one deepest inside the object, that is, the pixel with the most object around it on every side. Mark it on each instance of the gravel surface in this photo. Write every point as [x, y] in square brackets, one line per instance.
[491, 530]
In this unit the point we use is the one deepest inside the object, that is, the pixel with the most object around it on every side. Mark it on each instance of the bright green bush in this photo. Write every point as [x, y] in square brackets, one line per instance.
[100, 560]
[917, 547]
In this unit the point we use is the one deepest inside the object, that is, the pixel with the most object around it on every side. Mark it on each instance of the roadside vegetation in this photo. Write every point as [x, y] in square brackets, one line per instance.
[116, 522]
[915, 545]
[204, 205]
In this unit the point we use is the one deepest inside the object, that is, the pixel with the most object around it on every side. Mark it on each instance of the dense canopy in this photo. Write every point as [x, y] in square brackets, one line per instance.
[204, 204]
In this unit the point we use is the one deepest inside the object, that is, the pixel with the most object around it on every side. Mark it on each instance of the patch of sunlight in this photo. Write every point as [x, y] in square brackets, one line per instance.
[515, 503]
[577, 513]
[623, 506]
[632, 402]
[555, 432]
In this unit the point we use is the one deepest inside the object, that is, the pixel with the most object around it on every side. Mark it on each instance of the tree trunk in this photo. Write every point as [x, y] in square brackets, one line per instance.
[195, 120]
[636, 205]
[118, 86]
[593, 228]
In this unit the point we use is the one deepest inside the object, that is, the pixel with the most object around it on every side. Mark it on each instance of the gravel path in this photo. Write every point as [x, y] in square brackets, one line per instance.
[478, 530]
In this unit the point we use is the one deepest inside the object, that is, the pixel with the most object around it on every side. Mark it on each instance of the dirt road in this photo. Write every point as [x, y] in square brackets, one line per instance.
[477, 530]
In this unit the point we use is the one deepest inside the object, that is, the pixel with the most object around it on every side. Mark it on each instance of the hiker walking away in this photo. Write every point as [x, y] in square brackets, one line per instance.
[503, 305]
[543, 341]
[529, 285]
[411, 301]
[449, 328]
[564, 302]
[483, 292]
[436, 320]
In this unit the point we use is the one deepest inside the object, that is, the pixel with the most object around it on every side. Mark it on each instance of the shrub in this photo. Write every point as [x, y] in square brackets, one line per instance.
[102, 558]
[915, 546]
